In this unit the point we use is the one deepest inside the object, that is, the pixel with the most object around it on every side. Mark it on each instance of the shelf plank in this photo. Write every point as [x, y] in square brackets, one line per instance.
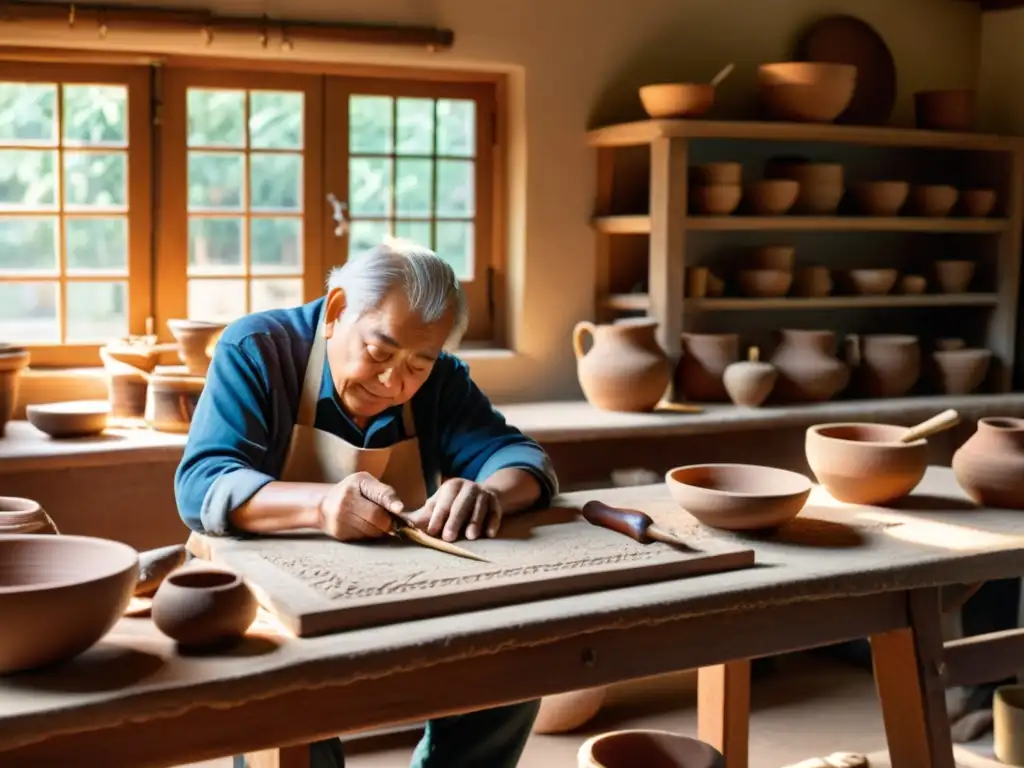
[646, 131]
[842, 224]
[639, 302]
[623, 225]
[628, 302]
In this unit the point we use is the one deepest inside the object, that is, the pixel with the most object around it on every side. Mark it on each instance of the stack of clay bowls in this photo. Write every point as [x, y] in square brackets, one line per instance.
[954, 275]
[821, 184]
[957, 369]
[806, 91]
[716, 188]
[770, 273]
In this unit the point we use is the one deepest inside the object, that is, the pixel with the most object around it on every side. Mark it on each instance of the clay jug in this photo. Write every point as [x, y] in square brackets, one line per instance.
[702, 366]
[24, 516]
[885, 365]
[990, 465]
[624, 369]
[808, 368]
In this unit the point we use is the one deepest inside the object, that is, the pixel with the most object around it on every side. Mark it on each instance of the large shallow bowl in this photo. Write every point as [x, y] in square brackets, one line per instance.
[738, 497]
[865, 463]
[77, 418]
[59, 595]
[806, 91]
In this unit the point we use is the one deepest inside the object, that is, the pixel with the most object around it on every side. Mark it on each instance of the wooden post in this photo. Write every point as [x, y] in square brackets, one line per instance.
[669, 158]
[723, 710]
[603, 207]
[1003, 322]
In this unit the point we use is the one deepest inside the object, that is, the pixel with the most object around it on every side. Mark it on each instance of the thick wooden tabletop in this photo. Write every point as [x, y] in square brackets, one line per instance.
[134, 675]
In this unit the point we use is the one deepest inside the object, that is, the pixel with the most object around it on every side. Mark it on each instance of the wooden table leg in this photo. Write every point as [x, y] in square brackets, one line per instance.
[285, 757]
[909, 677]
[723, 710]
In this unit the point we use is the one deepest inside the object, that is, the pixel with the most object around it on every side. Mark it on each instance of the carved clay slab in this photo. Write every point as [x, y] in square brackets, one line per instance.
[315, 585]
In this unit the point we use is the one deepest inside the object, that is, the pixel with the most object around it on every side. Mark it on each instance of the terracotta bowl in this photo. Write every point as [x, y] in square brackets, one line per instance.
[882, 198]
[871, 282]
[933, 200]
[781, 257]
[945, 110]
[913, 284]
[204, 607]
[62, 594]
[865, 463]
[772, 197]
[738, 497]
[717, 199]
[960, 371]
[80, 418]
[821, 184]
[668, 100]
[954, 275]
[647, 749]
[805, 91]
[764, 283]
[978, 203]
[712, 174]
[812, 282]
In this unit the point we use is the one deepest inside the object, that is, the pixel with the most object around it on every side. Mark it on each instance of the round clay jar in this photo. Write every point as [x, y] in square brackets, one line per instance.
[24, 516]
[203, 607]
[990, 465]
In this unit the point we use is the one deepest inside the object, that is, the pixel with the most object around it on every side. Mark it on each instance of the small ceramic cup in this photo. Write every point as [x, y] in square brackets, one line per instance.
[203, 607]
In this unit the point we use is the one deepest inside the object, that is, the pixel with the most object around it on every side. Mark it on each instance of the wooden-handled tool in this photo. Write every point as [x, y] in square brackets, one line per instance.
[630, 522]
[402, 528]
[938, 423]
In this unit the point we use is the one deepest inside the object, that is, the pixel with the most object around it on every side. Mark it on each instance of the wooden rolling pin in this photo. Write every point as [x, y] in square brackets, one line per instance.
[630, 522]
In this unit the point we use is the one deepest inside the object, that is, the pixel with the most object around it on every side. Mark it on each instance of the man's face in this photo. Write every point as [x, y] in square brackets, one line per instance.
[382, 358]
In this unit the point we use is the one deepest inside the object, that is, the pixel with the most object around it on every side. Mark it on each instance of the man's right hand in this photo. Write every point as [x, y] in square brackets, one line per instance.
[357, 508]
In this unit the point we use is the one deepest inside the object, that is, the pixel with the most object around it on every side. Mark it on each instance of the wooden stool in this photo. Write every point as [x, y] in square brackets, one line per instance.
[650, 749]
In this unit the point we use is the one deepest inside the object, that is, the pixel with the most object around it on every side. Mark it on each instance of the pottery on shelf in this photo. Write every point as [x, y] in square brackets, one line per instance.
[812, 282]
[204, 607]
[750, 381]
[990, 465]
[24, 516]
[78, 418]
[771, 197]
[565, 712]
[1008, 724]
[715, 285]
[806, 91]
[912, 285]
[696, 282]
[865, 463]
[738, 497]
[950, 343]
[951, 109]
[647, 749]
[62, 593]
[155, 565]
[870, 282]
[821, 185]
[720, 173]
[670, 100]
[171, 400]
[882, 198]
[933, 200]
[960, 371]
[954, 275]
[624, 369]
[978, 203]
[764, 283]
[196, 340]
[780, 257]
[884, 365]
[705, 357]
[808, 368]
[127, 381]
[716, 199]
[13, 360]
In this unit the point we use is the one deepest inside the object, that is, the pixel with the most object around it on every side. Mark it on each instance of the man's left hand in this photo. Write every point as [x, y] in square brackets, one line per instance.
[459, 505]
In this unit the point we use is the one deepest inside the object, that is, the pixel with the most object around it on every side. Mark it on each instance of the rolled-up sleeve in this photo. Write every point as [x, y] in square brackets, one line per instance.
[227, 441]
[476, 441]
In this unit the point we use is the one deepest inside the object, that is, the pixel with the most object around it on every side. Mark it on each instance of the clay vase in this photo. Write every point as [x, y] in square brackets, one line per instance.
[885, 365]
[990, 465]
[699, 375]
[196, 340]
[624, 369]
[649, 749]
[808, 368]
[13, 360]
[565, 712]
[750, 381]
[203, 607]
[24, 516]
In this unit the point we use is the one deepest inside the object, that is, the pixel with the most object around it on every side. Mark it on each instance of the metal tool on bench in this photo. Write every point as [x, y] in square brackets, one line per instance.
[630, 522]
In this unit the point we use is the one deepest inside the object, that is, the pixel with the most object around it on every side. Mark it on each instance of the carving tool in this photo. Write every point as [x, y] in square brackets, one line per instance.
[403, 529]
[633, 523]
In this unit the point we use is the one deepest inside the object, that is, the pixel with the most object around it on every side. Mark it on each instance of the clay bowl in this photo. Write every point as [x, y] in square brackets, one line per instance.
[871, 282]
[960, 371]
[781, 257]
[933, 200]
[913, 284]
[772, 197]
[80, 418]
[738, 497]
[764, 283]
[204, 607]
[882, 198]
[813, 282]
[954, 275]
[978, 203]
[865, 463]
[945, 110]
[668, 100]
[647, 749]
[716, 199]
[821, 184]
[727, 173]
[805, 91]
[60, 594]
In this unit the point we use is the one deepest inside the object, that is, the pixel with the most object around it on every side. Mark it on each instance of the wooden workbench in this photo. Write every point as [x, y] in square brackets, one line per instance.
[834, 574]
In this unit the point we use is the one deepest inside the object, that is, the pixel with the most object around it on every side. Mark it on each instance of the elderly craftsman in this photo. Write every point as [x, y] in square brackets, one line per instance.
[297, 401]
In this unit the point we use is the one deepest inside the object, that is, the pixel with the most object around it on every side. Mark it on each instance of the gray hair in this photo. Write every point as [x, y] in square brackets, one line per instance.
[427, 280]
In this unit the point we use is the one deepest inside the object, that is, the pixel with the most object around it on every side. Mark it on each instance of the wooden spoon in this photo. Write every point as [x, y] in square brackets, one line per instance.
[939, 423]
[726, 71]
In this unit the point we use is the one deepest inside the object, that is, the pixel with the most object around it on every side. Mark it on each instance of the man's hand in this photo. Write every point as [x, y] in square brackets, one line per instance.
[357, 508]
[459, 505]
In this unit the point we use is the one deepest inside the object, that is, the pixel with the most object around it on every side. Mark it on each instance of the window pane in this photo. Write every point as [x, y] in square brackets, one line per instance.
[28, 244]
[97, 311]
[369, 124]
[415, 127]
[455, 194]
[215, 180]
[455, 245]
[219, 301]
[363, 235]
[369, 182]
[95, 179]
[416, 231]
[96, 114]
[96, 244]
[28, 179]
[275, 182]
[275, 119]
[276, 245]
[28, 113]
[278, 293]
[216, 118]
[456, 127]
[28, 312]
[215, 246]
[414, 187]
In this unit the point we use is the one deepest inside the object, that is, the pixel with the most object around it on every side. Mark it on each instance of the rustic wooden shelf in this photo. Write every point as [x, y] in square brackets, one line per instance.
[641, 224]
[640, 302]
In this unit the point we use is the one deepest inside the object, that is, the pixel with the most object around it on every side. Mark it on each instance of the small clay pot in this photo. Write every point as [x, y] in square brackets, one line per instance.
[885, 364]
[647, 749]
[196, 340]
[871, 282]
[171, 400]
[933, 200]
[565, 712]
[80, 418]
[780, 257]
[1008, 724]
[913, 284]
[24, 516]
[764, 283]
[821, 185]
[960, 371]
[718, 174]
[669, 100]
[882, 198]
[945, 110]
[806, 91]
[978, 203]
[705, 357]
[716, 199]
[990, 465]
[950, 344]
[812, 282]
[750, 381]
[203, 607]
[13, 360]
[954, 275]
[772, 197]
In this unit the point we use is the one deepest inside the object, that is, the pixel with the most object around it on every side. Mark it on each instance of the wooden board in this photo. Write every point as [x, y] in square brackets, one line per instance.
[315, 585]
